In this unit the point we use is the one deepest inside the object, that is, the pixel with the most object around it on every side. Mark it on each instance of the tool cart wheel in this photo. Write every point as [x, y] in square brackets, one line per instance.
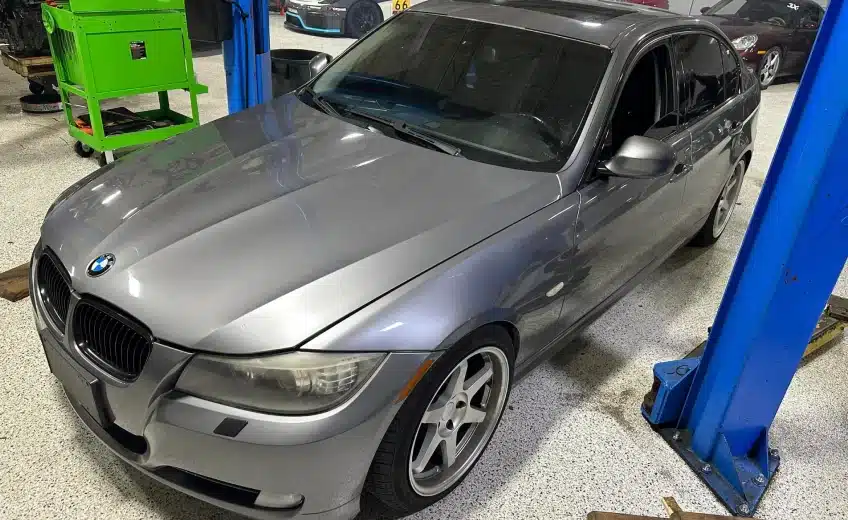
[83, 150]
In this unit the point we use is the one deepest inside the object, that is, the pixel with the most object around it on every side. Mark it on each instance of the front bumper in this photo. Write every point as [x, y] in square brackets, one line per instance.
[172, 437]
[751, 59]
[316, 18]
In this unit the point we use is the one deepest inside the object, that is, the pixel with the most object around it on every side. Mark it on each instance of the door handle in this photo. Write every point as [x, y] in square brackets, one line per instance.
[679, 171]
[735, 128]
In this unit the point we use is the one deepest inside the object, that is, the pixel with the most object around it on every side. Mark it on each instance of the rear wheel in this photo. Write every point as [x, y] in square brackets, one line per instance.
[443, 428]
[722, 210]
[362, 17]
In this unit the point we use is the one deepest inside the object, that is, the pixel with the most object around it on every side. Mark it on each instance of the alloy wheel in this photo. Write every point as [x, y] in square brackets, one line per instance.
[727, 200]
[459, 421]
[364, 19]
[770, 65]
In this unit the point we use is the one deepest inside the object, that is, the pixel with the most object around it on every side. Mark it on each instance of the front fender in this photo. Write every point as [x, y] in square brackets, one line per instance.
[513, 277]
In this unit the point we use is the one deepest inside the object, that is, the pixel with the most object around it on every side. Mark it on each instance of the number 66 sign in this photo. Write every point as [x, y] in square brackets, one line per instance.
[400, 5]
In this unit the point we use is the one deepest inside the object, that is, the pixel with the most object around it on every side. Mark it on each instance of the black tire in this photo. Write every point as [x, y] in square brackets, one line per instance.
[36, 87]
[83, 150]
[707, 235]
[764, 84]
[387, 492]
[362, 17]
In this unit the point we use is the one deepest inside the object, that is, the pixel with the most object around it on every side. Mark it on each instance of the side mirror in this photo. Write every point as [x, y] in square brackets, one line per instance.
[641, 158]
[705, 9]
[318, 63]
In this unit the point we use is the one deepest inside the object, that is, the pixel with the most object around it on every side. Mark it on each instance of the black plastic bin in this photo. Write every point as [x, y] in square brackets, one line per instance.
[291, 68]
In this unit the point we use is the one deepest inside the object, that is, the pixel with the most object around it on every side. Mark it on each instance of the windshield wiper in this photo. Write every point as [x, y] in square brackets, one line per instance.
[406, 129]
[320, 102]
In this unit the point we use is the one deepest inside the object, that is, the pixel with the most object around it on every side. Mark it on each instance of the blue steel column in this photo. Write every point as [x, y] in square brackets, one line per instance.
[246, 56]
[262, 32]
[792, 255]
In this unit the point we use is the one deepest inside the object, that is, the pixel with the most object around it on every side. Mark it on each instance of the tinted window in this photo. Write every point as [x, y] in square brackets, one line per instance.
[775, 12]
[702, 82]
[732, 72]
[646, 103]
[504, 96]
[811, 15]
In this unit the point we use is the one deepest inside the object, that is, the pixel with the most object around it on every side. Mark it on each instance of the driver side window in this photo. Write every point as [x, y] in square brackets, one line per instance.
[646, 104]
[811, 17]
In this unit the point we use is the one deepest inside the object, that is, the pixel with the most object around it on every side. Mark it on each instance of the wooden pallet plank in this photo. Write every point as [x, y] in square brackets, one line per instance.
[14, 283]
[29, 67]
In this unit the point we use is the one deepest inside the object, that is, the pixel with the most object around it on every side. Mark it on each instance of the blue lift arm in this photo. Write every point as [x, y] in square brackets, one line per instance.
[247, 58]
[715, 411]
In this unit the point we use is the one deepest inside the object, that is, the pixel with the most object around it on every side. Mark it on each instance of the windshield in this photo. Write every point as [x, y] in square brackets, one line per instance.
[772, 12]
[500, 95]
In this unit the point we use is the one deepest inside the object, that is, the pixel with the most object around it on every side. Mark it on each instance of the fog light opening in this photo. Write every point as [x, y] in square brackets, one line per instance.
[278, 500]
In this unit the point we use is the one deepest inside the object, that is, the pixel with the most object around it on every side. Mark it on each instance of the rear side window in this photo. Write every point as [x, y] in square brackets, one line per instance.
[732, 72]
[702, 82]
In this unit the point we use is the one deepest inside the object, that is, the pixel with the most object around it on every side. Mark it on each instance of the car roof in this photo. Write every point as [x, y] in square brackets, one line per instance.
[596, 21]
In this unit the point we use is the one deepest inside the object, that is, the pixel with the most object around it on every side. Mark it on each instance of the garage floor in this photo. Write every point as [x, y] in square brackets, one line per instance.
[571, 442]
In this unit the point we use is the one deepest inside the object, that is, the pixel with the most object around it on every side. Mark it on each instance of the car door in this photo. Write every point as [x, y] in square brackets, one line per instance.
[624, 224]
[803, 37]
[713, 113]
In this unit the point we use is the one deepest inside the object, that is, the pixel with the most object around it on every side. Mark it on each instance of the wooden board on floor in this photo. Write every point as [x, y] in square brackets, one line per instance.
[33, 67]
[595, 515]
[14, 283]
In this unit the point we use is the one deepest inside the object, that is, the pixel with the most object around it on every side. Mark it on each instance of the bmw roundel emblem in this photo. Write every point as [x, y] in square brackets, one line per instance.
[100, 265]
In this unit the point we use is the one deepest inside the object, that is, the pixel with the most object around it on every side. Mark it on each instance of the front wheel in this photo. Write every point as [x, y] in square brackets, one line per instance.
[83, 150]
[769, 67]
[722, 209]
[443, 428]
[362, 17]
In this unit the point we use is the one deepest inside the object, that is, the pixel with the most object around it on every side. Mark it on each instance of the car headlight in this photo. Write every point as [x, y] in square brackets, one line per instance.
[744, 43]
[294, 383]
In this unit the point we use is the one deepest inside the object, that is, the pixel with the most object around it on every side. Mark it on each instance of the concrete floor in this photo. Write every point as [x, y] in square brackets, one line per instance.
[571, 442]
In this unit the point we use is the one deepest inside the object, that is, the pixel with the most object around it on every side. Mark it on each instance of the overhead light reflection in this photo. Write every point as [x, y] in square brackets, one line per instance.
[352, 135]
[111, 197]
[364, 163]
[129, 213]
[97, 187]
[392, 326]
[591, 24]
[134, 287]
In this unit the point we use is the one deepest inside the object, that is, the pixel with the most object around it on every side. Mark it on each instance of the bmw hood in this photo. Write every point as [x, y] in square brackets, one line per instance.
[257, 231]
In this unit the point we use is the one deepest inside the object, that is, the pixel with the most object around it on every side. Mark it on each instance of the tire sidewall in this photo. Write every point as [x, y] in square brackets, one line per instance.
[409, 416]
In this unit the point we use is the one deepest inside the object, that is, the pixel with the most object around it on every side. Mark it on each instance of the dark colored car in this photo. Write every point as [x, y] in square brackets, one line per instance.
[352, 18]
[327, 298]
[662, 4]
[773, 37]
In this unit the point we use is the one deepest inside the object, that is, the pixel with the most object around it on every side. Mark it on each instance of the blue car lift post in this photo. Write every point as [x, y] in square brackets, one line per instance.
[715, 410]
[247, 57]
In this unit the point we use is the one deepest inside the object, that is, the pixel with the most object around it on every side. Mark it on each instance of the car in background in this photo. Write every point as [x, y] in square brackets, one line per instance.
[326, 299]
[774, 37]
[353, 18]
[661, 4]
